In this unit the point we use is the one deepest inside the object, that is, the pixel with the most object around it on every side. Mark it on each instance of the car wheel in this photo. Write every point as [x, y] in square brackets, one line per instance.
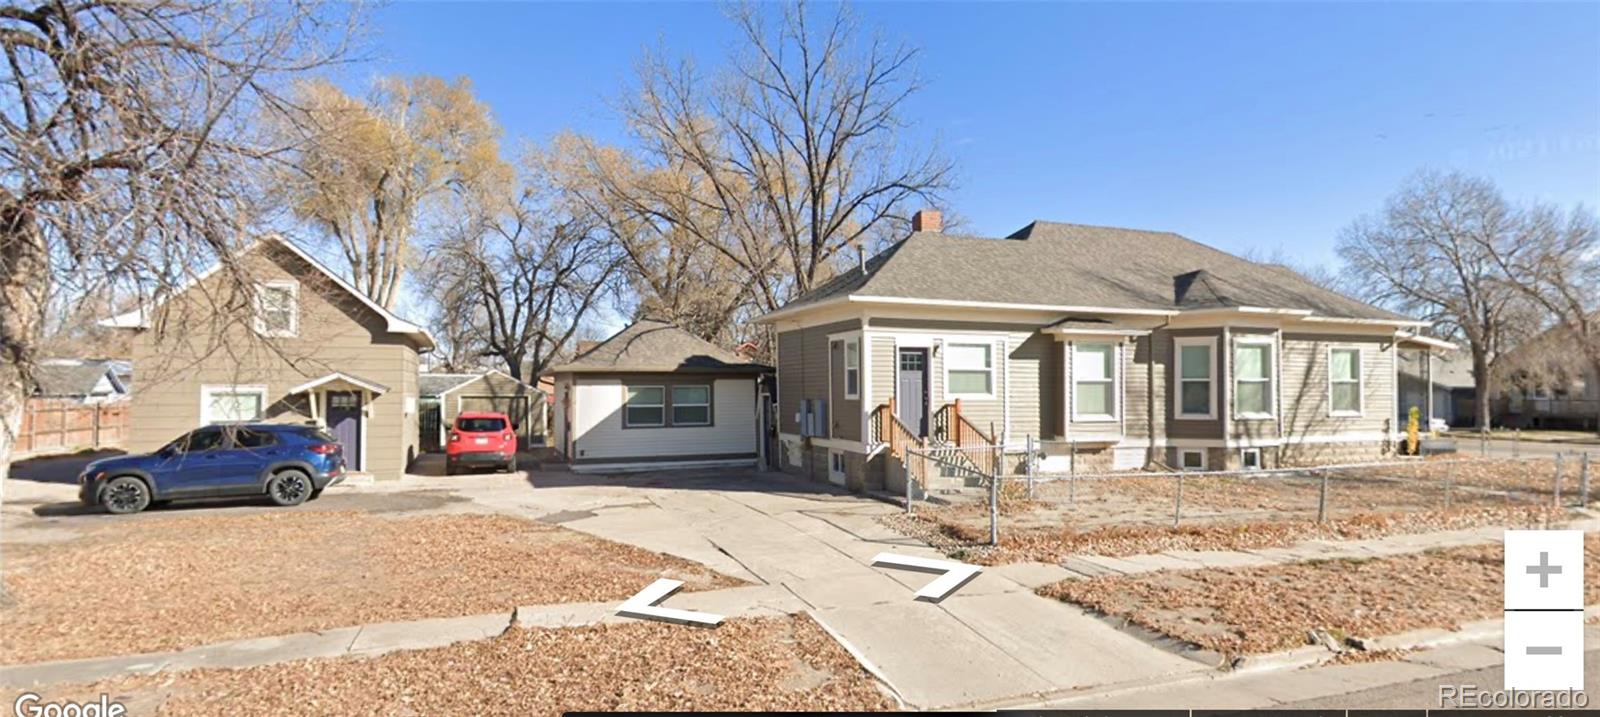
[512, 466]
[290, 487]
[315, 494]
[450, 468]
[125, 495]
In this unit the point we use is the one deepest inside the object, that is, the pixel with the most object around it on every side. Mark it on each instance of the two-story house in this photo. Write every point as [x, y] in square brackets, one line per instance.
[1128, 348]
[274, 335]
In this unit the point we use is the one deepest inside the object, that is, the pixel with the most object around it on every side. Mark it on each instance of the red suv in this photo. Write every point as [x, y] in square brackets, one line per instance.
[481, 439]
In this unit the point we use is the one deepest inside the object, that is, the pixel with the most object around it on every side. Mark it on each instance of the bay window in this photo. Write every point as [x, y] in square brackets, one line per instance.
[1196, 371]
[1252, 378]
[1093, 381]
[1344, 382]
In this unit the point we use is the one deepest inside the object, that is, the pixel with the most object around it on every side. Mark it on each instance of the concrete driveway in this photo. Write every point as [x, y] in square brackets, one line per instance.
[993, 642]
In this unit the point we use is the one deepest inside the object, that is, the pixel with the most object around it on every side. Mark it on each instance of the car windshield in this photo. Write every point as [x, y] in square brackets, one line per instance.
[480, 425]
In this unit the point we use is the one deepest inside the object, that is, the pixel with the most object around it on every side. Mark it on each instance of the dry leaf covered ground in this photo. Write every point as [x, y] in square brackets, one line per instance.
[1265, 609]
[1133, 515]
[770, 664]
[172, 582]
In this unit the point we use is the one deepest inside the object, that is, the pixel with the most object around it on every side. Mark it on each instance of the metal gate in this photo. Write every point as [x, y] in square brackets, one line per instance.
[428, 427]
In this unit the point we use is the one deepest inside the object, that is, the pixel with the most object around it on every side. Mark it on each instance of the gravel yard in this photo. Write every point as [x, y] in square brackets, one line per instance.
[1265, 609]
[175, 581]
[769, 664]
[1134, 514]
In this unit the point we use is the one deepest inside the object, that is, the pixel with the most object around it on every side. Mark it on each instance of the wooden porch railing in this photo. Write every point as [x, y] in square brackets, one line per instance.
[888, 429]
[956, 429]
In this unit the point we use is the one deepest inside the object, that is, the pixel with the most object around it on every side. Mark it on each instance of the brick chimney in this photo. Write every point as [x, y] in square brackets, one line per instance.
[927, 220]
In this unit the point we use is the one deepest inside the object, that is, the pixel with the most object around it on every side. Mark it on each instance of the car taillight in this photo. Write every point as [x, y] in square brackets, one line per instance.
[508, 436]
[325, 448]
[454, 437]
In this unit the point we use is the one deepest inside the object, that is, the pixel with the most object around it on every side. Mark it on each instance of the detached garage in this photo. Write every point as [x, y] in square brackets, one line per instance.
[655, 396]
[447, 395]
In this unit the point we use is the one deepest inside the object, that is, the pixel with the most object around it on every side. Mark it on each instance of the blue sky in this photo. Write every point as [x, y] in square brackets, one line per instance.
[1252, 126]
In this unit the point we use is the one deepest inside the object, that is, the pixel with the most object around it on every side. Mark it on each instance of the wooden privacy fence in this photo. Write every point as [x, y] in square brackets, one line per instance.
[54, 426]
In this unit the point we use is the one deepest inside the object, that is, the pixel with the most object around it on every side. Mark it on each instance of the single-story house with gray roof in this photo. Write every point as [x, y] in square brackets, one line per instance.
[654, 396]
[1117, 348]
[82, 380]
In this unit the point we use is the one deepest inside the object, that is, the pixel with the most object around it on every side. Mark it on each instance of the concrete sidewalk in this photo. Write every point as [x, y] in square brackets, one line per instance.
[994, 640]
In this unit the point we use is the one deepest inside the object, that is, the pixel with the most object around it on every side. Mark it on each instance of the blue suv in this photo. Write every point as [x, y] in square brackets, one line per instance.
[287, 463]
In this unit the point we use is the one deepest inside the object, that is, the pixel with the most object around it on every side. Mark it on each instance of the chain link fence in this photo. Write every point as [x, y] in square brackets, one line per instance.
[994, 490]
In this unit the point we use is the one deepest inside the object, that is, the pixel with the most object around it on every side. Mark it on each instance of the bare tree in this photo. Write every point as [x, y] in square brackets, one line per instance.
[778, 164]
[1553, 259]
[131, 150]
[1426, 254]
[523, 275]
[365, 171]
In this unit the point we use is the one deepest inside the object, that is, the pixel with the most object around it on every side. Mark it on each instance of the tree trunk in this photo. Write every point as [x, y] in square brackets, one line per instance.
[24, 281]
[1480, 383]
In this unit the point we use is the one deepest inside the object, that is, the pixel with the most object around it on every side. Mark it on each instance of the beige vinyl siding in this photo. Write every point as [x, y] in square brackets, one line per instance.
[803, 369]
[599, 432]
[1035, 387]
[1305, 385]
[205, 337]
[1137, 381]
[884, 381]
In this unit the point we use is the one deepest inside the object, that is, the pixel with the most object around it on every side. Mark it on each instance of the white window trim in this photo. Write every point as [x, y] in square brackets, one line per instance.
[1245, 451]
[1361, 383]
[674, 404]
[209, 390]
[1271, 380]
[663, 406]
[1210, 342]
[848, 394]
[294, 308]
[945, 364]
[1185, 451]
[1115, 380]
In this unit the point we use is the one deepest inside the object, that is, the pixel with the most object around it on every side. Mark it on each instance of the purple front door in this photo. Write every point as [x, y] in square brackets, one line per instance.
[344, 422]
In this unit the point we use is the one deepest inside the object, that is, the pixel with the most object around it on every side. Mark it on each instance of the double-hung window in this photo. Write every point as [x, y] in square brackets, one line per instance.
[1094, 381]
[646, 407]
[969, 369]
[1344, 382]
[277, 310]
[1252, 378]
[691, 405]
[852, 369]
[1197, 387]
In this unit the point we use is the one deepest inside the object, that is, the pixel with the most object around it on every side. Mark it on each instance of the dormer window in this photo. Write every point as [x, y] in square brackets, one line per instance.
[277, 308]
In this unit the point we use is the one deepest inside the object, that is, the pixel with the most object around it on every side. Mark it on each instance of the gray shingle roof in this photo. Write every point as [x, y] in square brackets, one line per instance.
[1050, 263]
[70, 378]
[434, 384]
[650, 346]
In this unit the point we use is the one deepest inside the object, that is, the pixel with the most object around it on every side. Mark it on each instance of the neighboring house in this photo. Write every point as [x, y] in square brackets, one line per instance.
[295, 343]
[447, 395]
[1448, 376]
[81, 380]
[1548, 383]
[655, 396]
[1128, 348]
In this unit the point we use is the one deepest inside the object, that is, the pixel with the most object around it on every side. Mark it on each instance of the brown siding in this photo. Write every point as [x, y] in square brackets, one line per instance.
[803, 369]
[205, 337]
[843, 413]
[1167, 355]
[1035, 387]
[883, 371]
